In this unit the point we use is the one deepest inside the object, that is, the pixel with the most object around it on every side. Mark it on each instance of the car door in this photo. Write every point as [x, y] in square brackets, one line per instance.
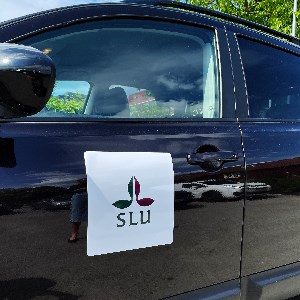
[269, 120]
[178, 100]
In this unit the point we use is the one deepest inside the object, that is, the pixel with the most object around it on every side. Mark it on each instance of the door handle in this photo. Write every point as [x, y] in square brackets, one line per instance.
[211, 161]
[219, 156]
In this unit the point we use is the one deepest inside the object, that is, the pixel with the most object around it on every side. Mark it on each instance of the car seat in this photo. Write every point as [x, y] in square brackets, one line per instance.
[113, 103]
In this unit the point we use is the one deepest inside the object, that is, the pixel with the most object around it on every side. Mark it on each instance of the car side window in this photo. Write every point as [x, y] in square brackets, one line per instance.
[133, 69]
[272, 80]
[68, 97]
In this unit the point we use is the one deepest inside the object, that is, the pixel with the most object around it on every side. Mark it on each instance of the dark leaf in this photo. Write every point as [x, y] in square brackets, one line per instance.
[145, 201]
[130, 188]
[137, 187]
[122, 203]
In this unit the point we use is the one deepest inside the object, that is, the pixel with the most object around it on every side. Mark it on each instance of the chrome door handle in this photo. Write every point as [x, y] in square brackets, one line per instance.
[219, 156]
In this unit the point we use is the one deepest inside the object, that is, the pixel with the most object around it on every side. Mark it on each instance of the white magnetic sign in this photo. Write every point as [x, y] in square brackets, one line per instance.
[130, 200]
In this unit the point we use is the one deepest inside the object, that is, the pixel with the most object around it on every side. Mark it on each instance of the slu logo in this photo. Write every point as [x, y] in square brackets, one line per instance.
[126, 203]
[135, 186]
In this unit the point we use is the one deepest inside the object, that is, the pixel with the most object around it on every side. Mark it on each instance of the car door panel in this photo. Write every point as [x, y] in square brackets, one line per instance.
[270, 132]
[47, 162]
[272, 223]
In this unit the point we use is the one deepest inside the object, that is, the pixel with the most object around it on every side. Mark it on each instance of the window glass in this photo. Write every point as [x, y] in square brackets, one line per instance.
[272, 79]
[68, 97]
[134, 69]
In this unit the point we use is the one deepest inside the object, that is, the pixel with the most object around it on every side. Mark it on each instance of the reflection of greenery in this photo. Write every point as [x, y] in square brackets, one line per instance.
[152, 110]
[149, 110]
[16, 198]
[196, 110]
[71, 103]
[282, 184]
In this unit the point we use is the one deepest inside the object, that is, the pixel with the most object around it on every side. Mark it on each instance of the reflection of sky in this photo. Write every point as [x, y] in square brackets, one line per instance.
[167, 68]
[37, 166]
[63, 87]
[128, 89]
[62, 179]
[53, 153]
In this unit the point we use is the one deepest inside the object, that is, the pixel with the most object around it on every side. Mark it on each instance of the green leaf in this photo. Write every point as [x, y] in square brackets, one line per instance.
[130, 188]
[122, 203]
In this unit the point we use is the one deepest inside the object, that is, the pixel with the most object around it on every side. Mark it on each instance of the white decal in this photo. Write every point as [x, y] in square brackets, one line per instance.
[130, 200]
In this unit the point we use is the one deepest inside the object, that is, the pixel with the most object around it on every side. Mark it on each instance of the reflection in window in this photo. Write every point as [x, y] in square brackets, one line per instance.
[68, 97]
[272, 78]
[136, 69]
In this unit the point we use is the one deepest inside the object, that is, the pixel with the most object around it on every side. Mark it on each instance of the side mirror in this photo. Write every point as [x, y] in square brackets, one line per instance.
[27, 78]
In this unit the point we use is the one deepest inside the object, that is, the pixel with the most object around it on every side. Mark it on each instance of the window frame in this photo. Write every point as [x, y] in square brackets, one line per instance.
[226, 91]
[242, 109]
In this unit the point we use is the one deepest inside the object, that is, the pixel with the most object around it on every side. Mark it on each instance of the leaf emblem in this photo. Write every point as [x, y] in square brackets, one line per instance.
[122, 203]
[130, 188]
[126, 203]
[145, 201]
[137, 188]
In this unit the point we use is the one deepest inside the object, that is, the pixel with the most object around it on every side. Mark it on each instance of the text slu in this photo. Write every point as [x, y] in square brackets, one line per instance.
[132, 219]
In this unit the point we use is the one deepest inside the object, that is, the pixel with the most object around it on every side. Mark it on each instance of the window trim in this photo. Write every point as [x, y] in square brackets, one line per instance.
[243, 112]
[226, 100]
[217, 71]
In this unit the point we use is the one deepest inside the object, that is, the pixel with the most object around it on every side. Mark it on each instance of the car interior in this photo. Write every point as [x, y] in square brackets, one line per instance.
[135, 71]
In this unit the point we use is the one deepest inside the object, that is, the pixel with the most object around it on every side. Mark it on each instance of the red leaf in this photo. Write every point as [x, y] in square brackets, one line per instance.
[145, 201]
[137, 187]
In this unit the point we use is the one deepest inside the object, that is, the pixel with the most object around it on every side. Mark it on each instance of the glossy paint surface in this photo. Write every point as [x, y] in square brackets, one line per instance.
[41, 162]
[49, 161]
[272, 224]
[32, 72]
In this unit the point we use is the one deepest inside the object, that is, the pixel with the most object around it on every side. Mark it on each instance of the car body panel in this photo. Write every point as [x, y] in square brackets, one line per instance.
[271, 220]
[49, 160]
[232, 238]
[271, 223]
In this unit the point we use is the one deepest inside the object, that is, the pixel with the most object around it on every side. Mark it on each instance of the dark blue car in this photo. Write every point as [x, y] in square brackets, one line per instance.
[220, 94]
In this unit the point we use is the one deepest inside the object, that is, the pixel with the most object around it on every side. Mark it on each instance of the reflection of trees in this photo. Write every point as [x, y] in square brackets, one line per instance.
[282, 175]
[284, 184]
[16, 198]
[71, 103]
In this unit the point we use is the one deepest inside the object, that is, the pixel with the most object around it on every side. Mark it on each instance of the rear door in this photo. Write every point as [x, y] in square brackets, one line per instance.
[270, 130]
[125, 85]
